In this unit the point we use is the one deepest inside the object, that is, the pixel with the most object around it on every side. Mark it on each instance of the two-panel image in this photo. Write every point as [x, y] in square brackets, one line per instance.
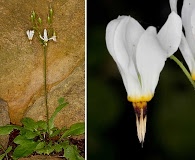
[97, 80]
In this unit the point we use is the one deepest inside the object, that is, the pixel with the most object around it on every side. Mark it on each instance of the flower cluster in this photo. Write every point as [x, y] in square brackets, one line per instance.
[37, 27]
[140, 54]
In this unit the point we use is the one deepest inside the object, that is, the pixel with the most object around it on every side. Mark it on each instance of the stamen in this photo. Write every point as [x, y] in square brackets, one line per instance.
[140, 109]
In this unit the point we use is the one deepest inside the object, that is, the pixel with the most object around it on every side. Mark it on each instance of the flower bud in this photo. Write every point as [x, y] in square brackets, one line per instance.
[51, 12]
[49, 19]
[39, 20]
[33, 15]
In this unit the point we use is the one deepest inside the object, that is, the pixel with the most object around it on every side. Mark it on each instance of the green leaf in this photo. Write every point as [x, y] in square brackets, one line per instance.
[55, 133]
[5, 130]
[6, 152]
[8, 149]
[65, 144]
[75, 129]
[47, 149]
[61, 100]
[63, 129]
[58, 147]
[29, 134]
[40, 145]
[2, 156]
[24, 150]
[42, 125]
[22, 140]
[58, 109]
[29, 123]
[71, 153]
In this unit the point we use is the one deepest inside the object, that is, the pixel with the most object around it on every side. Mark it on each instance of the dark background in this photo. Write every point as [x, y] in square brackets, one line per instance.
[111, 127]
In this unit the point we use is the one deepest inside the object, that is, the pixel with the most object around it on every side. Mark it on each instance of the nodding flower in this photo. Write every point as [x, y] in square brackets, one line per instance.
[140, 56]
[187, 46]
[30, 34]
[45, 37]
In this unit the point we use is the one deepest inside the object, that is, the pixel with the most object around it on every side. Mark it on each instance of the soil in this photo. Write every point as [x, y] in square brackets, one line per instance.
[80, 143]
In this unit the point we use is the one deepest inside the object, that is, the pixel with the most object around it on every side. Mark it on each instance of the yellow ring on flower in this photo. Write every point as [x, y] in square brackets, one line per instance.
[193, 76]
[145, 98]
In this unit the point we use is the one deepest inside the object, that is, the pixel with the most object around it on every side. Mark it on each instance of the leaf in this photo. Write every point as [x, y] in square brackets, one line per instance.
[58, 147]
[75, 129]
[6, 152]
[55, 133]
[61, 100]
[42, 125]
[5, 130]
[71, 153]
[2, 156]
[47, 149]
[8, 149]
[29, 134]
[29, 123]
[63, 129]
[22, 140]
[58, 109]
[40, 145]
[24, 150]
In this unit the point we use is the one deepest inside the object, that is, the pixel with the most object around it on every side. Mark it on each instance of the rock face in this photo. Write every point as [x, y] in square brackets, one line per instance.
[21, 67]
[4, 120]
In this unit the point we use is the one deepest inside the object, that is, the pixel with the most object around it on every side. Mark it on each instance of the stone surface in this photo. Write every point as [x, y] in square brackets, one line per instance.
[4, 120]
[21, 67]
[72, 89]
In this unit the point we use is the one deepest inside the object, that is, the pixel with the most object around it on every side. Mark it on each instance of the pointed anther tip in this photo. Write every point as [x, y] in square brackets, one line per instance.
[140, 109]
[142, 143]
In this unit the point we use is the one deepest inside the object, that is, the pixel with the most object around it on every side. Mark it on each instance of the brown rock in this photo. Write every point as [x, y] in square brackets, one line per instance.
[4, 120]
[21, 67]
[73, 90]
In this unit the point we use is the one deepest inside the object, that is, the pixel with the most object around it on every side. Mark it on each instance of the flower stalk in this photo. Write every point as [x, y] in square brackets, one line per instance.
[45, 85]
[180, 64]
[44, 39]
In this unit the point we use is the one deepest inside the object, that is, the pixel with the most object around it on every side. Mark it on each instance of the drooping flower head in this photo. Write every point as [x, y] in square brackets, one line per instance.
[30, 34]
[45, 37]
[187, 46]
[140, 56]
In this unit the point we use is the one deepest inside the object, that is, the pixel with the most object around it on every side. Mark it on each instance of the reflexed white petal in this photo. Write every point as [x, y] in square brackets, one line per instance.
[28, 33]
[187, 10]
[150, 60]
[122, 35]
[170, 34]
[53, 38]
[187, 54]
[45, 35]
[122, 47]
[193, 22]
[41, 37]
[173, 5]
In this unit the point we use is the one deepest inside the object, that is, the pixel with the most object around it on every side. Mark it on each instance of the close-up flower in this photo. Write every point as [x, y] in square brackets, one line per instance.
[140, 56]
[187, 46]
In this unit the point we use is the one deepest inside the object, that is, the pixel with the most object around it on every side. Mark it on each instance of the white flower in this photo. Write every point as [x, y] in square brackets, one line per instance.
[187, 46]
[30, 34]
[53, 37]
[140, 56]
[45, 37]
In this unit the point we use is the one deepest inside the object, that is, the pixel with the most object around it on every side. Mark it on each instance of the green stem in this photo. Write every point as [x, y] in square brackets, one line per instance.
[45, 85]
[188, 75]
